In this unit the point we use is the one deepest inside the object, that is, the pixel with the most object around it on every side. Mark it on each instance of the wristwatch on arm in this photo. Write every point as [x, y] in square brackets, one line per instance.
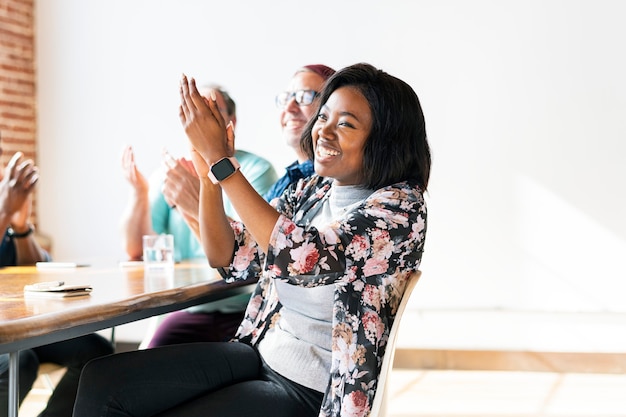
[223, 169]
[13, 234]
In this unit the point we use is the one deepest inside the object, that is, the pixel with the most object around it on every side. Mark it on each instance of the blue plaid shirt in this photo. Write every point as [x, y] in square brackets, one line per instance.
[295, 172]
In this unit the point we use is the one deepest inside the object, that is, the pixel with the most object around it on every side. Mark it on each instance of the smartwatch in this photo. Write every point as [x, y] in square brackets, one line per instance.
[13, 234]
[223, 169]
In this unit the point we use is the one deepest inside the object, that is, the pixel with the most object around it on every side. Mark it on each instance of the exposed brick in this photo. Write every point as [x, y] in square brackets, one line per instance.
[18, 106]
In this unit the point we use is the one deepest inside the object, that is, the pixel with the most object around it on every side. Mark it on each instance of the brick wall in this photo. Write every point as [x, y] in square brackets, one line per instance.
[18, 108]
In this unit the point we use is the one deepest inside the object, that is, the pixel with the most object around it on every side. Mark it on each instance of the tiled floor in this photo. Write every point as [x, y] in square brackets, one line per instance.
[506, 394]
[418, 393]
[37, 398]
[539, 366]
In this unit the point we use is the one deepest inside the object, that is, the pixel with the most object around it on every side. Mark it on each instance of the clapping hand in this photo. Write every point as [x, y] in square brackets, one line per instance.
[132, 173]
[205, 127]
[181, 187]
[16, 188]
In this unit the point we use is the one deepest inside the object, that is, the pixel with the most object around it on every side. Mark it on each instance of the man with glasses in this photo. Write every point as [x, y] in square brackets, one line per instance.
[297, 106]
[302, 97]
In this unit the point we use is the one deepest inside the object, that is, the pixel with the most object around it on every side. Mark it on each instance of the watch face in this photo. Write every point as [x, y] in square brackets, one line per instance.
[222, 169]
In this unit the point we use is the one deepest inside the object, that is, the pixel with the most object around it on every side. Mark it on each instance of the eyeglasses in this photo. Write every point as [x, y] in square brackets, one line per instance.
[303, 97]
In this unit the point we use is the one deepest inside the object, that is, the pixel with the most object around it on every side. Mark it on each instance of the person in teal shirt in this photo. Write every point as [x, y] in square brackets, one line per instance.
[169, 203]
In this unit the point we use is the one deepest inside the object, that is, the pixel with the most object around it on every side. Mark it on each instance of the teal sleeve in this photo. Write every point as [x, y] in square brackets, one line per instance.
[168, 220]
[159, 210]
[258, 171]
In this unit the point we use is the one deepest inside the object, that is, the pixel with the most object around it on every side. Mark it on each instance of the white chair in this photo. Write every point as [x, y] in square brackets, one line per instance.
[379, 406]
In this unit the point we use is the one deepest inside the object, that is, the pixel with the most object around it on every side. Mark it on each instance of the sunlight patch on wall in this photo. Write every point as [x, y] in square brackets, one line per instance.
[573, 261]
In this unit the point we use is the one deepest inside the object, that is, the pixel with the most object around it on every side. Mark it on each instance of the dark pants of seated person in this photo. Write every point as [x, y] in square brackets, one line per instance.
[73, 354]
[185, 327]
[192, 380]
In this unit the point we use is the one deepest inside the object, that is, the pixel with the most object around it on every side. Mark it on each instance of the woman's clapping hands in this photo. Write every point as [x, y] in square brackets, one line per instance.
[210, 137]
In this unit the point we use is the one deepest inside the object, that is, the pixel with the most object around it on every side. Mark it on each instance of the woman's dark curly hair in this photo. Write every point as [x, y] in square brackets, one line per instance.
[396, 149]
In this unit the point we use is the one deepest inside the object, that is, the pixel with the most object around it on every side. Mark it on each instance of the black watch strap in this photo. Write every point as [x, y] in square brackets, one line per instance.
[16, 235]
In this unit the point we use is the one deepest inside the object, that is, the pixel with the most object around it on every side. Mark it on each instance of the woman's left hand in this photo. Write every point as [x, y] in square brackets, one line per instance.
[204, 125]
[200, 164]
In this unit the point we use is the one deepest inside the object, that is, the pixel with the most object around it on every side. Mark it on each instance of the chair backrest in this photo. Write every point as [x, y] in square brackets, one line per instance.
[379, 406]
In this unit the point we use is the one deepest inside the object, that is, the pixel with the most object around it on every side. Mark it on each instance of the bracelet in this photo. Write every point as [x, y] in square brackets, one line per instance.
[15, 235]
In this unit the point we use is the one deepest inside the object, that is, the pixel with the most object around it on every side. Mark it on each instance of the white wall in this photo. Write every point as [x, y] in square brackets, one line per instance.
[525, 104]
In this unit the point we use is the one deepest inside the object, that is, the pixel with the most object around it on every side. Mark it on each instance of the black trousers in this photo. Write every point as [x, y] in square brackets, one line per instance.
[226, 379]
[73, 354]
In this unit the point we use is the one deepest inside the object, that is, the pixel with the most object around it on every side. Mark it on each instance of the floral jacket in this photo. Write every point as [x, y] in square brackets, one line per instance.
[368, 255]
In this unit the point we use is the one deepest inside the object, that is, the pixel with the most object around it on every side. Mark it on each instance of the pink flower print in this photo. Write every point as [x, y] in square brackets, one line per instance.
[329, 236]
[371, 297]
[373, 326]
[375, 266]
[392, 219]
[418, 227]
[383, 246]
[405, 205]
[247, 326]
[254, 305]
[351, 276]
[287, 226]
[358, 247]
[342, 331]
[280, 242]
[297, 235]
[243, 257]
[355, 404]
[237, 227]
[274, 271]
[305, 258]
[346, 354]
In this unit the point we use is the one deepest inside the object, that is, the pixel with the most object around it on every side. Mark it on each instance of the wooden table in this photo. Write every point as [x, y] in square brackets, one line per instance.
[120, 295]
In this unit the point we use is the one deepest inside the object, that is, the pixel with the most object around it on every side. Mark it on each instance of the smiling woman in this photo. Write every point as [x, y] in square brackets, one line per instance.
[339, 136]
[334, 254]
